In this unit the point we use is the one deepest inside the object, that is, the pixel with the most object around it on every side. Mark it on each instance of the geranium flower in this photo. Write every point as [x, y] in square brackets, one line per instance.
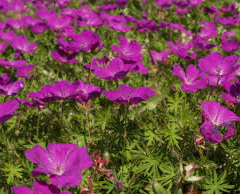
[28, 21]
[194, 3]
[12, 64]
[137, 67]
[16, 6]
[15, 24]
[88, 40]
[227, 35]
[39, 28]
[7, 36]
[233, 91]
[164, 4]
[7, 110]
[217, 68]
[8, 87]
[62, 161]
[60, 90]
[38, 188]
[159, 56]
[63, 57]
[180, 11]
[128, 51]
[230, 45]
[202, 44]
[86, 91]
[56, 23]
[115, 70]
[45, 94]
[146, 25]
[118, 27]
[21, 44]
[229, 8]
[3, 47]
[25, 71]
[69, 47]
[97, 62]
[90, 20]
[185, 51]
[128, 94]
[226, 21]
[209, 30]
[192, 80]
[215, 115]
[31, 103]
[211, 10]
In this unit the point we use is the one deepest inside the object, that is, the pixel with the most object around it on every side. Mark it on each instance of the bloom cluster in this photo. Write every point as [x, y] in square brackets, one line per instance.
[82, 62]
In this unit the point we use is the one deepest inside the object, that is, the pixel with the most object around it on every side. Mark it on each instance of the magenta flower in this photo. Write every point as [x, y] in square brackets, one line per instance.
[16, 6]
[9, 87]
[192, 80]
[227, 35]
[38, 188]
[184, 51]
[233, 91]
[86, 91]
[7, 36]
[217, 68]
[97, 62]
[21, 44]
[128, 51]
[115, 70]
[3, 47]
[194, 3]
[56, 23]
[90, 20]
[69, 47]
[202, 44]
[209, 30]
[15, 24]
[12, 64]
[28, 21]
[39, 28]
[229, 8]
[128, 94]
[62, 161]
[88, 40]
[215, 115]
[211, 10]
[31, 103]
[25, 71]
[230, 45]
[118, 27]
[146, 25]
[226, 21]
[159, 56]
[60, 90]
[45, 94]
[137, 67]
[164, 4]
[63, 57]
[181, 11]
[7, 110]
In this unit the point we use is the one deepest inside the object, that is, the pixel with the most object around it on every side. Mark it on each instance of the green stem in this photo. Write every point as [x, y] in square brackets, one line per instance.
[38, 121]
[88, 128]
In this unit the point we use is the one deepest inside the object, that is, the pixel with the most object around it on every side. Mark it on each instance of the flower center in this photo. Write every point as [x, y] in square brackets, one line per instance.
[58, 170]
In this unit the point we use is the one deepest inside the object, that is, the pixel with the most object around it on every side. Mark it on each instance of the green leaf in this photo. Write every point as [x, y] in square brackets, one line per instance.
[217, 184]
[12, 172]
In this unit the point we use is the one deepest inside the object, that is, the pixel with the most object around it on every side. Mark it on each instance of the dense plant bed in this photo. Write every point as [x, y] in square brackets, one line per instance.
[119, 96]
